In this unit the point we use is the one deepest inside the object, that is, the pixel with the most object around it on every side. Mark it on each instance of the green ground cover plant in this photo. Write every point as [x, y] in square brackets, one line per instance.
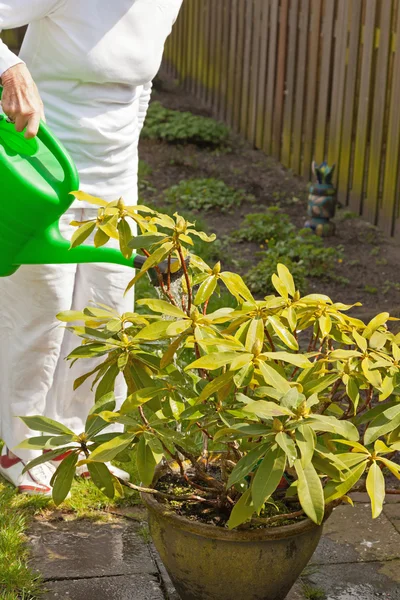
[202, 195]
[304, 253]
[183, 127]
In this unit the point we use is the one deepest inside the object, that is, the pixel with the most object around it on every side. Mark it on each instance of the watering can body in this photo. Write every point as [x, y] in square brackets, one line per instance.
[37, 176]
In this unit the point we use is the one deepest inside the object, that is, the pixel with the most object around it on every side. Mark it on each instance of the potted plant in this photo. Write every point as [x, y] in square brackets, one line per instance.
[248, 424]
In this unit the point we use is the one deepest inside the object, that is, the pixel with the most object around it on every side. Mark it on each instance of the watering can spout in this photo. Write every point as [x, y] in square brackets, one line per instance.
[52, 248]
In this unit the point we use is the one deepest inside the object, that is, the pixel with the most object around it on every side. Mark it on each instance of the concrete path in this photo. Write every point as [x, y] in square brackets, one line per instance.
[357, 559]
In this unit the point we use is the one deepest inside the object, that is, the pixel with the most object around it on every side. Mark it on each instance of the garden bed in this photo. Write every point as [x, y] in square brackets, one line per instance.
[363, 263]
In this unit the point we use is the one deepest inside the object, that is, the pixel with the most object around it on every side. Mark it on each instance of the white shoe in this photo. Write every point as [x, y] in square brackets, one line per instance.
[33, 482]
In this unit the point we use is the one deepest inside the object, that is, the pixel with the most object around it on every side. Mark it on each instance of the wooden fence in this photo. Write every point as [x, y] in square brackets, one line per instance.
[304, 80]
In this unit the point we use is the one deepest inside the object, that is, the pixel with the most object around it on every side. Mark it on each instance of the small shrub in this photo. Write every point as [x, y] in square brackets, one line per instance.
[262, 227]
[201, 195]
[183, 127]
[303, 253]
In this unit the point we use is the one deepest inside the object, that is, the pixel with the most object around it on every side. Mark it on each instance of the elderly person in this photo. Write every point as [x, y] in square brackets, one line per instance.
[87, 66]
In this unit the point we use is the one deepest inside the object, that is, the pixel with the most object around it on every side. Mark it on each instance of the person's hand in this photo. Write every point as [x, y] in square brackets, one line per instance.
[21, 101]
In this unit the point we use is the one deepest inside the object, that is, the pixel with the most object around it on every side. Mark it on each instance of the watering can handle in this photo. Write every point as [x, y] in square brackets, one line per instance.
[71, 178]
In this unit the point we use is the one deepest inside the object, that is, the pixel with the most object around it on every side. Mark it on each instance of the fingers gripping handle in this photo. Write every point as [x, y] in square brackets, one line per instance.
[71, 178]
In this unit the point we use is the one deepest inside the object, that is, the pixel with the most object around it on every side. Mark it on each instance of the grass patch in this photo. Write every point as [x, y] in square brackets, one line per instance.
[202, 195]
[183, 127]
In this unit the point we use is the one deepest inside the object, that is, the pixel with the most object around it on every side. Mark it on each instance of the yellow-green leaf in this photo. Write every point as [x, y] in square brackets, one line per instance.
[242, 511]
[268, 476]
[206, 290]
[81, 234]
[311, 494]
[283, 333]
[376, 489]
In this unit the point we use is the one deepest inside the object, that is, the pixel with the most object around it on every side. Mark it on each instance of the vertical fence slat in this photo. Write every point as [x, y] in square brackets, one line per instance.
[247, 67]
[312, 88]
[338, 82]
[232, 63]
[290, 82]
[347, 125]
[378, 115]
[238, 90]
[255, 60]
[324, 88]
[270, 91]
[280, 79]
[386, 214]
[262, 73]
[357, 188]
[301, 69]
[222, 106]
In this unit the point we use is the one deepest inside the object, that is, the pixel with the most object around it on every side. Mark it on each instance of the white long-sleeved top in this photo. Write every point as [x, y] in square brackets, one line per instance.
[93, 62]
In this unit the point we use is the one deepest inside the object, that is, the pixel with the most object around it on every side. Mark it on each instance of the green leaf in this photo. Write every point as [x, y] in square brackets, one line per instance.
[375, 323]
[286, 277]
[146, 462]
[298, 360]
[246, 464]
[268, 476]
[311, 494]
[376, 489]
[212, 361]
[215, 385]
[305, 440]
[179, 327]
[334, 490]
[243, 377]
[142, 396]
[154, 259]
[42, 458]
[109, 450]
[273, 378]
[82, 233]
[242, 511]
[288, 446]
[316, 386]
[236, 286]
[100, 238]
[382, 424]
[283, 333]
[162, 307]
[333, 425]
[266, 410]
[393, 467]
[102, 478]
[45, 425]
[154, 331]
[107, 382]
[372, 376]
[280, 286]
[206, 290]
[63, 478]
[125, 236]
[146, 240]
[255, 334]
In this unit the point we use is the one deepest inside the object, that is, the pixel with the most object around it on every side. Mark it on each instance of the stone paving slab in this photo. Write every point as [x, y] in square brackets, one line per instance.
[351, 535]
[357, 581]
[125, 587]
[82, 549]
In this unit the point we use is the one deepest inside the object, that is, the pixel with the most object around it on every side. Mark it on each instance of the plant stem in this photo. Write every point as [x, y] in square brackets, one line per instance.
[186, 274]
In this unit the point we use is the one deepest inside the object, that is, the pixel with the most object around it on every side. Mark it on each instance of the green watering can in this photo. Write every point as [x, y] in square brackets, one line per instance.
[37, 176]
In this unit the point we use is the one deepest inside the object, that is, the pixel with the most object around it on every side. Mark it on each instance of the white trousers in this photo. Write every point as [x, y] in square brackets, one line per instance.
[35, 378]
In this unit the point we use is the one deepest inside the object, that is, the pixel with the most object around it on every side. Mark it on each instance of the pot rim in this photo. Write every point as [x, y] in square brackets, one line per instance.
[231, 535]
